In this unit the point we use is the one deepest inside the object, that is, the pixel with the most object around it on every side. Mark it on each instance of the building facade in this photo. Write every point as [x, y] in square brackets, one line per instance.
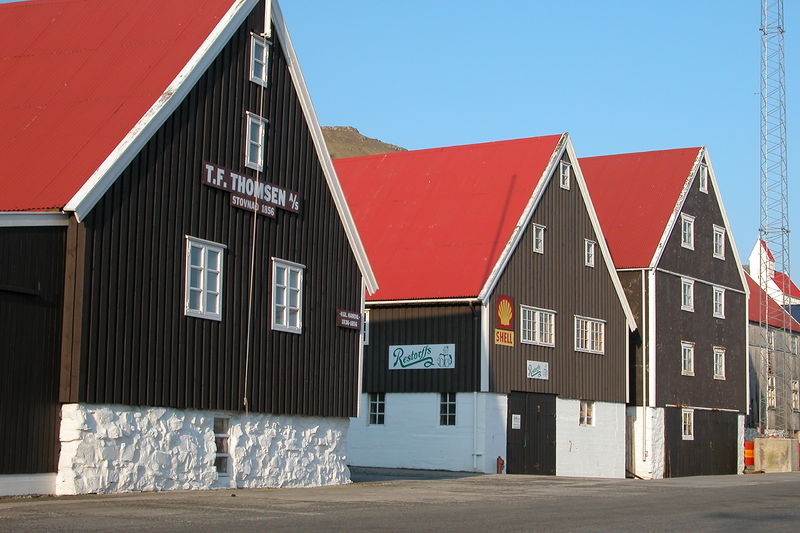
[501, 329]
[675, 255]
[185, 292]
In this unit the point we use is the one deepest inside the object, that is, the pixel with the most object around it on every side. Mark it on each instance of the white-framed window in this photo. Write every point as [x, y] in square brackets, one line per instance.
[771, 395]
[719, 362]
[447, 409]
[259, 59]
[687, 294]
[537, 326]
[256, 134]
[221, 435]
[588, 252]
[565, 174]
[377, 408]
[687, 231]
[795, 395]
[365, 328]
[587, 413]
[203, 291]
[687, 358]
[687, 424]
[719, 242]
[538, 238]
[702, 177]
[589, 335]
[287, 296]
[719, 302]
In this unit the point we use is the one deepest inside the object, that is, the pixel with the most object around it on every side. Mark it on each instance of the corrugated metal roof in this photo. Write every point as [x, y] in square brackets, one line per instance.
[757, 296]
[434, 222]
[77, 76]
[783, 281]
[634, 196]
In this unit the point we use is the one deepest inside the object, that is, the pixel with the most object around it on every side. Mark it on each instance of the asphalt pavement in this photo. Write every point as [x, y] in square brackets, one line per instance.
[434, 501]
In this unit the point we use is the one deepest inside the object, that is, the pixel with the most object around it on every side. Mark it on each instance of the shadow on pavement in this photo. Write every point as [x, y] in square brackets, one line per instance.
[365, 474]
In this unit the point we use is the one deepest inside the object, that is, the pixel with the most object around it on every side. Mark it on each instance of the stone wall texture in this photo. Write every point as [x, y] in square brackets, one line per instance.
[115, 448]
[590, 451]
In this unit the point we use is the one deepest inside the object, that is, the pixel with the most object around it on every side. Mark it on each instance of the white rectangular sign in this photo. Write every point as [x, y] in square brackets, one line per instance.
[425, 356]
[538, 370]
[516, 421]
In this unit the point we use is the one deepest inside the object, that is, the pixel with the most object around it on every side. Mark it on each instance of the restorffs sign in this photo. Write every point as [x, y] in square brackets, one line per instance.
[422, 356]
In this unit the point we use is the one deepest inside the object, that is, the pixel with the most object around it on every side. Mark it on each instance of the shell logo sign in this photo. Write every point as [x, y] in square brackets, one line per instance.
[504, 332]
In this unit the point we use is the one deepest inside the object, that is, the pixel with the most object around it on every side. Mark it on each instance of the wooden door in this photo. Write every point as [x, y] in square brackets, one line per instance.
[531, 441]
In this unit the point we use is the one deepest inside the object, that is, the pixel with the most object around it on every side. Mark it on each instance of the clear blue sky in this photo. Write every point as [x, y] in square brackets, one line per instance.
[619, 76]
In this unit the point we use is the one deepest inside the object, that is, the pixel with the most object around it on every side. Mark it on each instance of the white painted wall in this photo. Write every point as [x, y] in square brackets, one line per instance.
[23, 484]
[590, 451]
[647, 441]
[740, 444]
[115, 448]
[495, 437]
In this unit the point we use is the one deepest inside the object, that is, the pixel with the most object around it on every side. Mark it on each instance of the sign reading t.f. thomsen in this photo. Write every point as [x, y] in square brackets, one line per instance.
[430, 356]
[250, 194]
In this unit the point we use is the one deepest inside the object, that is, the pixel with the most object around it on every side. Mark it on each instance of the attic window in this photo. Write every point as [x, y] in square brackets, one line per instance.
[259, 55]
[565, 174]
[719, 242]
[687, 294]
[702, 177]
[687, 231]
[256, 128]
[538, 238]
[588, 253]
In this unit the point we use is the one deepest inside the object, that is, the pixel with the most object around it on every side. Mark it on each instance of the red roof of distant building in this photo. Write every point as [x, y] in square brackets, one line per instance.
[77, 76]
[777, 316]
[766, 249]
[634, 196]
[785, 283]
[434, 222]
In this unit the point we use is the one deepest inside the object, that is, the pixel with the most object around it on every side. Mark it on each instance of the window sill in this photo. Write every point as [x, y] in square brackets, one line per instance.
[720, 378]
[590, 351]
[534, 343]
[286, 329]
[200, 314]
[685, 373]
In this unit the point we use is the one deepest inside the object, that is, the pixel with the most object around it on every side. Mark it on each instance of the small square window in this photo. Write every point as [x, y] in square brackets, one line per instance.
[203, 291]
[377, 408]
[221, 436]
[719, 242]
[702, 177]
[719, 302]
[447, 409]
[687, 294]
[538, 238]
[565, 174]
[687, 231]
[537, 326]
[589, 335]
[587, 413]
[287, 296]
[588, 253]
[256, 134]
[687, 424]
[719, 363]
[259, 59]
[687, 358]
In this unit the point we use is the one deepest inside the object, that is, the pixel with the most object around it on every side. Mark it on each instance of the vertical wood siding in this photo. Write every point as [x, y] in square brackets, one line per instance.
[139, 347]
[31, 291]
[634, 287]
[712, 451]
[558, 280]
[441, 324]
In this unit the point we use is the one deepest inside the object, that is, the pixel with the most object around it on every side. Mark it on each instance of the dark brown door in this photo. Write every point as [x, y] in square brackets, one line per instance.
[712, 448]
[531, 447]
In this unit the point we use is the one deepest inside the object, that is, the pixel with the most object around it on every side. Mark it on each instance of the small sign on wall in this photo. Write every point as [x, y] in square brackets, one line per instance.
[538, 370]
[504, 315]
[516, 421]
[503, 337]
[348, 319]
[424, 356]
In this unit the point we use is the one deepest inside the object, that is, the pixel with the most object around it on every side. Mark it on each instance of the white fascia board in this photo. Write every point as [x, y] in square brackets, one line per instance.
[428, 301]
[601, 239]
[118, 160]
[22, 219]
[524, 220]
[728, 231]
[676, 211]
[322, 150]
[651, 337]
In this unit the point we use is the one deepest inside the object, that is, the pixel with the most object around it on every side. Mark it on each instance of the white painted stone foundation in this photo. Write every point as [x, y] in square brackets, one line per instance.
[646, 441]
[590, 451]
[115, 448]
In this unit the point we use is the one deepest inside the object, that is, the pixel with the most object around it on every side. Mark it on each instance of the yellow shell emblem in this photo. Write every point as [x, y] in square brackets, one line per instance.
[505, 312]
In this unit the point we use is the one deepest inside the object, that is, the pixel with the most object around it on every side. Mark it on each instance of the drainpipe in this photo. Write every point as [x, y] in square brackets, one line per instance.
[475, 431]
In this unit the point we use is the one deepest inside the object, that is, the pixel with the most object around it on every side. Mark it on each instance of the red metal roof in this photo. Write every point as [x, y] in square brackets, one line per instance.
[434, 222]
[777, 316]
[784, 282]
[77, 76]
[634, 196]
[766, 249]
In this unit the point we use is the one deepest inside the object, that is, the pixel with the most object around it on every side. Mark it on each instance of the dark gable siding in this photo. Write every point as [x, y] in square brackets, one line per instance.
[431, 324]
[633, 284]
[700, 327]
[558, 280]
[139, 348]
[674, 325]
[31, 293]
